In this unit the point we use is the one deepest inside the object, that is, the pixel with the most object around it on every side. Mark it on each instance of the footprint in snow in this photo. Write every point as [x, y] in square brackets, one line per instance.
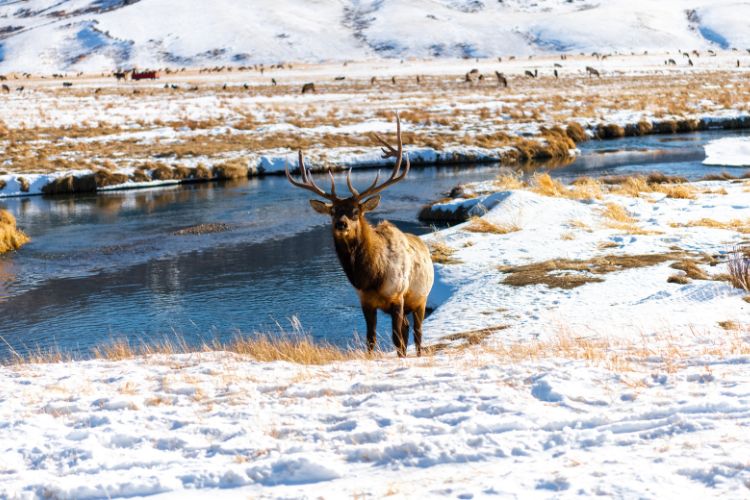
[542, 391]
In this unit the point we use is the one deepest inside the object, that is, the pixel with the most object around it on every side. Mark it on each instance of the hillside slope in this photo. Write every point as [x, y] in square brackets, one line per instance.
[97, 35]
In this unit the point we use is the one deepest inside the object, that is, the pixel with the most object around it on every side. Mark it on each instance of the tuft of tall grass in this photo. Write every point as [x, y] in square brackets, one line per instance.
[11, 238]
[480, 225]
[739, 268]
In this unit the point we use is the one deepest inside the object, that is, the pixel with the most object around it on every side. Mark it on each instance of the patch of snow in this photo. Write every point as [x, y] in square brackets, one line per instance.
[728, 152]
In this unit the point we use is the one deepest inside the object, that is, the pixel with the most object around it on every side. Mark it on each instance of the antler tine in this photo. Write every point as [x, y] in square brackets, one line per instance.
[354, 192]
[307, 181]
[333, 184]
[396, 173]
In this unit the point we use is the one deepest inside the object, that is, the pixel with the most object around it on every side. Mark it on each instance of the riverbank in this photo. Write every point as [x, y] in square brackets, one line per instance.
[99, 134]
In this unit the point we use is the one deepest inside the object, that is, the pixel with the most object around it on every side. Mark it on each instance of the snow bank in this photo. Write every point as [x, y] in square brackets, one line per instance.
[728, 152]
[625, 303]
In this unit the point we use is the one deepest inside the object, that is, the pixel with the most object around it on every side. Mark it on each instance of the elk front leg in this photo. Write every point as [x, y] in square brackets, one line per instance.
[418, 317]
[371, 318]
[397, 325]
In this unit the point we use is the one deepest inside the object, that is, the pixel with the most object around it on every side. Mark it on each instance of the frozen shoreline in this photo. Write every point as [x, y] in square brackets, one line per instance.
[340, 159]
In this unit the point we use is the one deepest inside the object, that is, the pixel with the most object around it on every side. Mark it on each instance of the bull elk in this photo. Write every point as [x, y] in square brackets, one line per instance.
[391, 271]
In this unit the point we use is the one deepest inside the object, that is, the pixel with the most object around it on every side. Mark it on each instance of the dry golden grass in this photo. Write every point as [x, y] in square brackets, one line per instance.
[679, 279]
[584, 188]
[295, 348]
[729, 325]
[442, 254]
[232, 169]
[509, 181]
[575, 132]
[691, 269]
[547, 186]
[480, 225]
[617, 213]
[11, 238]
[682, 191]
[739, 268]
[567, 273]
[668, 352]
[733, 225]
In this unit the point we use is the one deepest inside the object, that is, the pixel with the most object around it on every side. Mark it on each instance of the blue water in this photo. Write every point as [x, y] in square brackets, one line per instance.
[110, 266]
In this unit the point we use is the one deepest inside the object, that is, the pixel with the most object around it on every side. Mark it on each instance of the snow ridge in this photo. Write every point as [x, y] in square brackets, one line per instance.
[101, 35]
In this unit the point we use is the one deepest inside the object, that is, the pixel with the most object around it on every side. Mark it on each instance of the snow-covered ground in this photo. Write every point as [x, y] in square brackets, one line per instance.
[636, 301]
[101, 35]
[466, 426]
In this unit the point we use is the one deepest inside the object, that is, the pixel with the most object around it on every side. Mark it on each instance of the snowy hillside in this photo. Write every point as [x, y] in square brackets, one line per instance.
[98, 35]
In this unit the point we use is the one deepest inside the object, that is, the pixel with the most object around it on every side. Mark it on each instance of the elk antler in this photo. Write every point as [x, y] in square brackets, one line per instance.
[396, 174]
[308, 182]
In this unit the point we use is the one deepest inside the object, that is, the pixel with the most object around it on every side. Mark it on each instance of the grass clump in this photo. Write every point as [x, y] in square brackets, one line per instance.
[739, 268]
[732, 225]
[575, 131]
[442, 253]
[11, 238]
[616, 217]
[480, 225]
[232, 169]
[70, 184]
[691, 269]
[679, 279]
[584, 188]
[569, 273]
[610, 131]
[508, 181]
[104, 178]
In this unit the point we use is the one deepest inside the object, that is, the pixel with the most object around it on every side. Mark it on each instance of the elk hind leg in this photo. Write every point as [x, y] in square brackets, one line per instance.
[418, 317]
[405, 331]
[397, 320]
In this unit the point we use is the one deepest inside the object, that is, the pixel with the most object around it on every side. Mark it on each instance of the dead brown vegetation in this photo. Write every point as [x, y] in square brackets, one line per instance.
[739, 268]
[567, 273]
[442, 253]
[576, 132]
[11, 238]
[70, 184]
[291, 348]
[232, 169]
[481, 225]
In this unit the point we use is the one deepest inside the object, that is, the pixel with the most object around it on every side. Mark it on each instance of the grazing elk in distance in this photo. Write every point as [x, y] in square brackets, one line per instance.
[391, 271]
[308, 87]
[592, 72]
[501, 80]
[530, 74]
[472, 76]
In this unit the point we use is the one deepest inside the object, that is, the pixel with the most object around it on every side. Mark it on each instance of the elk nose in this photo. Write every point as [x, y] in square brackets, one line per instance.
[340, 225]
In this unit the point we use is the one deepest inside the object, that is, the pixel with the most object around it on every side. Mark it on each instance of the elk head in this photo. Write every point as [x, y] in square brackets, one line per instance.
[347, 214]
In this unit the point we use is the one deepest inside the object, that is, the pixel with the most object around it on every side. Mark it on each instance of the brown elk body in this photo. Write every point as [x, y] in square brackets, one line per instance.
[391, 271]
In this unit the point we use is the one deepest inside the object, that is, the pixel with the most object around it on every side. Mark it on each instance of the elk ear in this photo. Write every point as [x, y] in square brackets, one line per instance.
[370, 204]
[320, 207]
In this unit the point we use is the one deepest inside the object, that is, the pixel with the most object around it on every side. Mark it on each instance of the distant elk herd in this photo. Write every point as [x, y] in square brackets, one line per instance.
[472, 77]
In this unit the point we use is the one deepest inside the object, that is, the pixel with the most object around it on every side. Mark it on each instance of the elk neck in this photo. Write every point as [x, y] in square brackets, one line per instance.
[361, 256]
